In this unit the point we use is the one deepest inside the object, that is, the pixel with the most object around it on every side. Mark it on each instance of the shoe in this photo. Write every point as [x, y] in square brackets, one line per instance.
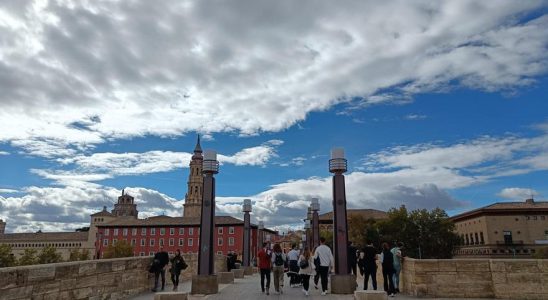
[276, 293]
[306, 293]
[324, 293]
[397, 291]
[391, 295]
[153, 290]
[268, 292]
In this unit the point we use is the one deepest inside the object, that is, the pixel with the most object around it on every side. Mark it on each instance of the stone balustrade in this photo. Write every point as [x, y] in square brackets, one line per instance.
[116, 278]
[476, 278]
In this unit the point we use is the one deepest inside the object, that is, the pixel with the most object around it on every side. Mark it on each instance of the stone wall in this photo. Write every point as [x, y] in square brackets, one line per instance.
[94, 279]
[476, 278]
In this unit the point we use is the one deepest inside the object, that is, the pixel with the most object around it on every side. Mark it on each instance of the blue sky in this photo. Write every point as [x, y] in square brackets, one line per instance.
[437, 104]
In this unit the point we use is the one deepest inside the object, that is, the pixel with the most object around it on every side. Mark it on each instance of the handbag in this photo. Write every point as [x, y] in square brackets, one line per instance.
[303, 264]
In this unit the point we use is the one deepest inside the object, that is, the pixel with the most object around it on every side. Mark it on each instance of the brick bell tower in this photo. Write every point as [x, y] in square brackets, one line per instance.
[193, 198]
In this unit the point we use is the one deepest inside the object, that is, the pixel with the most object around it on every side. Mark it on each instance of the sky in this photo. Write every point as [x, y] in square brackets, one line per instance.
[436, 104]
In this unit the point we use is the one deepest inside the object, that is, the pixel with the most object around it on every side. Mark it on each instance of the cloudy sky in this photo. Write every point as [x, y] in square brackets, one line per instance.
[437, 104]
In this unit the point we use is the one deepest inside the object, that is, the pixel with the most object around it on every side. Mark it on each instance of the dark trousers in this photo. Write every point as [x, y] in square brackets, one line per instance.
[157, 277]
[317, 277]
[175, 279]
[293, 273]
[387, 276]
[370, 271]
[265, 273]
[305, 279]
[324, 271]
[352, 268]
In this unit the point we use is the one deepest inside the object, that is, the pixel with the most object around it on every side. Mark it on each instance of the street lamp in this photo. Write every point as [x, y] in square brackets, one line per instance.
[306, 240]
[338, 166]
[206, 282]
[246, 208]
[315, 208]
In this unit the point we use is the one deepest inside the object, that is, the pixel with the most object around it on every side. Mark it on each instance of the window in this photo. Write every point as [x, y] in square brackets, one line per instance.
[467, 240]
[151, 253]
[172, 242]
[182, 230]
[134, 231]
[143, 242]
[189, 242]
[105, 242]
[107, 231]
[220, 241]
[231, 241]
[190, 231]
[220, 230]
[114, 242]
[115, 231]
[477, 239]
[152, 231]
[151, 242]
[171, 231]
[231, 230]
[162, 231]
[507, 237]
[482, 241]
[133, 242]
[143, 231]
[534, 217]
[219, 252]
[141, 253]
[181, 242]
[161, 242]
[124, 232]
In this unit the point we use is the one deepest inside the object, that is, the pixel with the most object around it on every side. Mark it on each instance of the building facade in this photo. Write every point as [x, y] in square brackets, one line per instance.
[504, 229]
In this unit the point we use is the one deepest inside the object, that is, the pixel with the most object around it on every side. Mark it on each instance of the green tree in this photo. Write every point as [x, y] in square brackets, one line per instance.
[121, 249]
[76, 254]
[328, 235]
[28, 258]
[361, 230]
[49, 255]
[7, 259]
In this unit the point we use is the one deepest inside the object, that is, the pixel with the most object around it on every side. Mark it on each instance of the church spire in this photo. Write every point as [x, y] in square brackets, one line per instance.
[198, 148]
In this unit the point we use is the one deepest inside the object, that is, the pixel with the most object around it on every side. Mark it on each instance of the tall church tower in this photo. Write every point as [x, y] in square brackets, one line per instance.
[193, 197]
[125, 207]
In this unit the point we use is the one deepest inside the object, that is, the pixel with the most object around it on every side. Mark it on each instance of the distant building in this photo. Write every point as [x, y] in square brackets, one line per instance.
[326, 219]
[193, 196]
[504, 229]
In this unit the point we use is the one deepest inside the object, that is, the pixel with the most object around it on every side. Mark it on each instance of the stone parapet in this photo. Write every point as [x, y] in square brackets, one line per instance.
[238, 273]
[370, 295]
[476, 278]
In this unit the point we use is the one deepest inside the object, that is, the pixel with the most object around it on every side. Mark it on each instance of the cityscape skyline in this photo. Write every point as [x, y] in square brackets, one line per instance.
[436, 105]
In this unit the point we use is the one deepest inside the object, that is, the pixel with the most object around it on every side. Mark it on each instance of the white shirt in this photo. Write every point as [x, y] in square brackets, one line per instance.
[325, 255]
[293, 255]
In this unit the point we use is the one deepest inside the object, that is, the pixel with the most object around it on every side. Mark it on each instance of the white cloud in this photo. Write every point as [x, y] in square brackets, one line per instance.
[4, 153]
[73, 75]
[414, 117]
[517, 193]
[8, 191]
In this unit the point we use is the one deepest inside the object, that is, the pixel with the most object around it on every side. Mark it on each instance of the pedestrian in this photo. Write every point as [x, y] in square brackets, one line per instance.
[177, 265]
[306, 269]
[351, 257]
[278, 265]
[369, 265]
[326, 263]
[317, 268]
[231, 260]
[361, 262]
[161, 259]
[387, 261]
[293, 257]
[265, 265]
[396, 253]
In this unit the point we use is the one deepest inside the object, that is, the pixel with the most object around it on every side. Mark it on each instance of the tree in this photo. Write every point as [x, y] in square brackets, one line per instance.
[76, 254]
[7, 259]
[121, 249]
[28, 258]
[48, 255]
[361, 230]
[328, 235]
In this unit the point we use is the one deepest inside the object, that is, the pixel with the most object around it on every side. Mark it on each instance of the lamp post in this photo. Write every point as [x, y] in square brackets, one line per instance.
[310, 231]
[205, 282]
[306, 237]
[342, 281]
[260, 234]
[246, 208]
[315, 207]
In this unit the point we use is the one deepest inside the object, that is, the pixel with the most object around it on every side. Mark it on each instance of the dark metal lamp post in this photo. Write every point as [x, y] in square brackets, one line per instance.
[306, 236]
[315, 208]
[247, 232]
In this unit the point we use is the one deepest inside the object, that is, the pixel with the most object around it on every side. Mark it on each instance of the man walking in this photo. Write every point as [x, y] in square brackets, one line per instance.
[161, 259]
[369, 265]
[352, 258]
[293, 257]
[264, 256]
[326, 263]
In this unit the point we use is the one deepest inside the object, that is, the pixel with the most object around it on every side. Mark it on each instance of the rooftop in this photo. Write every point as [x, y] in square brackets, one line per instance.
[527, 206]
[44, 236]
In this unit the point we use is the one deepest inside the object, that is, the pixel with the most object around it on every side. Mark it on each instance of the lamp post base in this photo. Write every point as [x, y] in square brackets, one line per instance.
[343, 284]
[248, 270]
[204, 285]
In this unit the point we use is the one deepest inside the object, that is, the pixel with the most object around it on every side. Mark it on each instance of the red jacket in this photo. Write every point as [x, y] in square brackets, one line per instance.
[265, 256]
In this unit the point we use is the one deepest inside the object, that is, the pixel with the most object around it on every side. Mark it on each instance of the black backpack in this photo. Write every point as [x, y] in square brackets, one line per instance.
[279, 260]
[303, 264]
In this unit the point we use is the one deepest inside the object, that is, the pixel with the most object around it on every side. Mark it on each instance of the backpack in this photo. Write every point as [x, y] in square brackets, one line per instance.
[279, 260]
[303, 264]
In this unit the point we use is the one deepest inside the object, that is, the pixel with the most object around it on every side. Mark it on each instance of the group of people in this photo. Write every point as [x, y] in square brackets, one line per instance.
[300, 266]
[391, 261]
[159, 265]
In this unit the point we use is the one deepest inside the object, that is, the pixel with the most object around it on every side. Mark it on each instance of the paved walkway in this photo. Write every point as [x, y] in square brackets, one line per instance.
[249, 288]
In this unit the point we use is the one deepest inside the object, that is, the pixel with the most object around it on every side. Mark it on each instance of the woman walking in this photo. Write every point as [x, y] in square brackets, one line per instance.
[387, 269]
[307, 269]
[177, 265]
[278, 265]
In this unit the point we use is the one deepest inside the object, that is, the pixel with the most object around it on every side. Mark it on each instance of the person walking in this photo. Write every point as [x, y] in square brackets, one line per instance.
[352, 258]
[396, 253]
[177, 265]
[293, 257]
[326, 263]
[265, 265]
[307, 269]
[369, 265]
[278, 265]
[161, 259]
[387, 260]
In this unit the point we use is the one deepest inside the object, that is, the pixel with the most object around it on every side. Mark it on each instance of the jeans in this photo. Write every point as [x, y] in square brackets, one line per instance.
[387, 275]
[175, 279]
[370, 271]
[278, 273]
[305, 279]
[265, 273]
[396, 278]
[157, 277]
[324, 271]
